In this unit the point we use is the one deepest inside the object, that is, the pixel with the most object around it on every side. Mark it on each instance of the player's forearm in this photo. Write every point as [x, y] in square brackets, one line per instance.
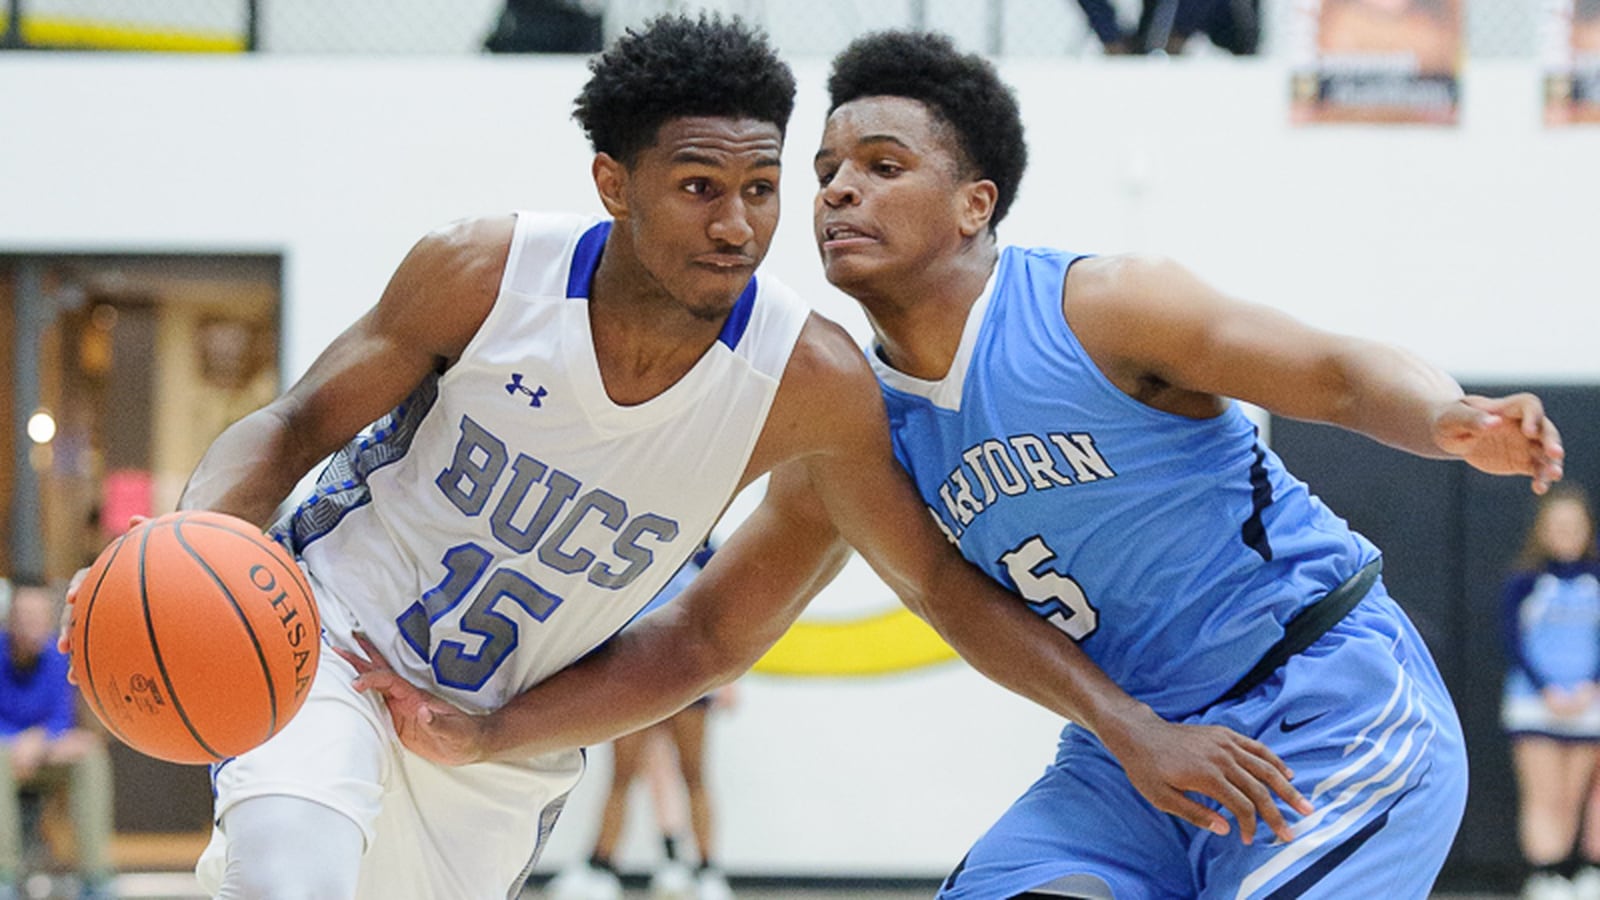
[248, 469]
[638, 678]
[997, 635]
[1390, 396]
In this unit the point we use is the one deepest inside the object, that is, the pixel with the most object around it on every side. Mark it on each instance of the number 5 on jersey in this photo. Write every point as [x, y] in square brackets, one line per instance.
[1049, 593]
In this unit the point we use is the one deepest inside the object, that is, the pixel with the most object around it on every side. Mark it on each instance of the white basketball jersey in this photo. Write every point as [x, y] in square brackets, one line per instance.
[509, 517]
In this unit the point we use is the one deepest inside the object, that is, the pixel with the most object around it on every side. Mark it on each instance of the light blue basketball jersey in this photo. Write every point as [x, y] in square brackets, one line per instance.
[1172, 549]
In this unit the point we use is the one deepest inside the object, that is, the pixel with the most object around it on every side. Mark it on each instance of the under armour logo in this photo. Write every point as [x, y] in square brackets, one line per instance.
[535, 395]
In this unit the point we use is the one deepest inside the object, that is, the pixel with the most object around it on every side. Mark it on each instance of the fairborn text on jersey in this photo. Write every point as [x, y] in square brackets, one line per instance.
[1010, 468]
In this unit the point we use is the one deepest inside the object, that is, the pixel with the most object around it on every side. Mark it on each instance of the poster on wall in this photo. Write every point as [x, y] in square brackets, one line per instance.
[1379, 61]
[1571, 49]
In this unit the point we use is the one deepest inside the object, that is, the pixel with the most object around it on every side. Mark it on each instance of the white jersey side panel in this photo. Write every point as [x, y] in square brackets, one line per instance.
[509, 517]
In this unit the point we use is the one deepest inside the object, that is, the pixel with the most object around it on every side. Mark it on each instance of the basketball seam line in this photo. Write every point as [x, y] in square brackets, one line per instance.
[155, 648]
[88, 668]
[249, 626]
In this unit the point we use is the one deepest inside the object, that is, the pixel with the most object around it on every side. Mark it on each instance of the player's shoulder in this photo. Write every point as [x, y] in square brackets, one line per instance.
[825, 352]
[445, 287]
[465, 254]
[1116, 276]
[470, 234]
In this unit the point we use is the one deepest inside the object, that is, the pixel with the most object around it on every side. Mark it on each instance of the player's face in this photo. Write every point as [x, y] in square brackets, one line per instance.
[889, 196]
[701, 207]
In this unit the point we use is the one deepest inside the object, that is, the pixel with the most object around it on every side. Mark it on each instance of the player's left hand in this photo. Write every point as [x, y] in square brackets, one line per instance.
[429, 726]
[1167, 762]
[64, 639]
[1503, 436]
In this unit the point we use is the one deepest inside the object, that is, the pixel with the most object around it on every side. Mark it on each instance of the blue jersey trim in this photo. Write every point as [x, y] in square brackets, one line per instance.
[586, 258]
[341, 487]
[739, 318]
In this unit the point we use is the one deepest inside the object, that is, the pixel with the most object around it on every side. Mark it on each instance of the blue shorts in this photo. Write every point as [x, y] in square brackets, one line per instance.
[1375, 746]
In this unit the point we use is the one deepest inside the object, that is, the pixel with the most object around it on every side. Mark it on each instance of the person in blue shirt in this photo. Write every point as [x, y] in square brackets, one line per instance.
[41, 744]
[1068, 422]
[1550, 614]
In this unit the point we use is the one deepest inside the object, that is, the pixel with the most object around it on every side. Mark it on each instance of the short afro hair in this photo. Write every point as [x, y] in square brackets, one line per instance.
[961, 89]
[676, 67]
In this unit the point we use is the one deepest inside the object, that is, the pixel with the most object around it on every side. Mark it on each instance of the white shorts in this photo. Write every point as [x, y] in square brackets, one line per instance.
[431, 831]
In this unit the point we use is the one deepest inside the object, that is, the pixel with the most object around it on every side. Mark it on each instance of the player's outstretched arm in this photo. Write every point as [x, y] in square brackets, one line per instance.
[872, 502]
[737, 607]
[1148, 321]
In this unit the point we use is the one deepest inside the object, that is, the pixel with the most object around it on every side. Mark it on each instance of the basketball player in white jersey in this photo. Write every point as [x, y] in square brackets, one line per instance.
[541, 418]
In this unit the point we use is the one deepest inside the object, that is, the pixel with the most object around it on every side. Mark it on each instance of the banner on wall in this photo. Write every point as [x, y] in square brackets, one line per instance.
[1377, 61]
[1570, 32]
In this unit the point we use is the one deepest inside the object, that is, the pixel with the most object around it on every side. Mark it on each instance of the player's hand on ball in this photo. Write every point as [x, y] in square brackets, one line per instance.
[1167, 762]
[431, 727]
[1503, 436]
[64, 641]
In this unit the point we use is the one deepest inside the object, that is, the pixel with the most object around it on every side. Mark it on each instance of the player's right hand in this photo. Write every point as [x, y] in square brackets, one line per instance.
[1167, 762]
[1503, 436]
[64, 640]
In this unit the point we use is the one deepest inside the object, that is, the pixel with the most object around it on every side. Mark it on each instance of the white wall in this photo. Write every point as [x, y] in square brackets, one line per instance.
[1472, 245]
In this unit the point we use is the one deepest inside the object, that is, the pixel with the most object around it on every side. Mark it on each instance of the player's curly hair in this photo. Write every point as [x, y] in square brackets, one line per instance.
[961, 89]
[676, 66]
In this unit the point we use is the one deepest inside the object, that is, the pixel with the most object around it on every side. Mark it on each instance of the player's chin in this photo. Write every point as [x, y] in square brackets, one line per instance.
[849, 270]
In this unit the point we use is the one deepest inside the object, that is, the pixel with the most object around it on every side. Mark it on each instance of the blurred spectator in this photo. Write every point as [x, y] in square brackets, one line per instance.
[548, 26]
[1165, 26]
[41, 746]
[1551, 709]
[1103, 22]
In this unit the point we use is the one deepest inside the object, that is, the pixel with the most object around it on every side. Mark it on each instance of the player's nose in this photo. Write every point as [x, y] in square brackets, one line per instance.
[730, 224]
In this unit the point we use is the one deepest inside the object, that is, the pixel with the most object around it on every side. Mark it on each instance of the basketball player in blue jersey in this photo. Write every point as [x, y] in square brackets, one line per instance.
[541, 418]
[1067, 421]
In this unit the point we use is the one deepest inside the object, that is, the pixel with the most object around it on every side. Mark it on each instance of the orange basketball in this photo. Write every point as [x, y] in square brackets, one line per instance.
[194, 637]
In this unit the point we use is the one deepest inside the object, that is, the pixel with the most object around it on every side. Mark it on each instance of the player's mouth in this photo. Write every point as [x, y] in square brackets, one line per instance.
[726, 263]
[844, 236]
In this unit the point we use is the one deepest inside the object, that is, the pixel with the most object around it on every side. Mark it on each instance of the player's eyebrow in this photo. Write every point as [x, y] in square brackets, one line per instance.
[865, 140]
[697, 157]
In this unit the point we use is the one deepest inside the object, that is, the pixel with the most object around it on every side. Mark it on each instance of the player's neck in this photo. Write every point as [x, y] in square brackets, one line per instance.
[919, 322]
[644, 340]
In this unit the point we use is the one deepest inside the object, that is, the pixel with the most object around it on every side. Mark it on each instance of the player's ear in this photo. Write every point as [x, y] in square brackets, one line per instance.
[977, 199]
[611, 182]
